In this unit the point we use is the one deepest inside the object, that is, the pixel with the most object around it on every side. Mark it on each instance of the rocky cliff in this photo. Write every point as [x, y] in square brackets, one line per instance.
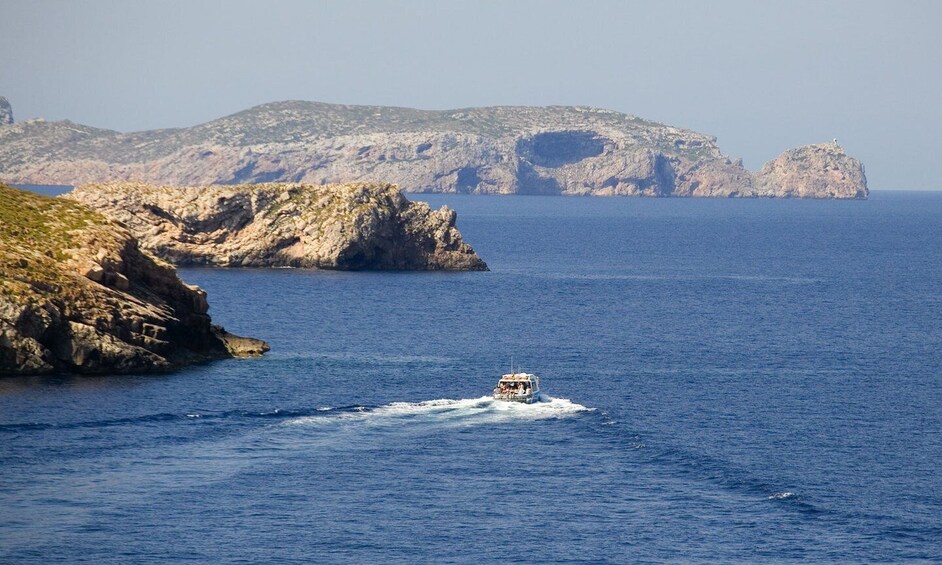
[77, 295]
[6, 112]
[343, 226]
[814, 171]
[498, 150]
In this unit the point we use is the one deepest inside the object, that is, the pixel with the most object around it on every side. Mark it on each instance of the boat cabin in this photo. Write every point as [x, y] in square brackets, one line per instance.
[518, 387]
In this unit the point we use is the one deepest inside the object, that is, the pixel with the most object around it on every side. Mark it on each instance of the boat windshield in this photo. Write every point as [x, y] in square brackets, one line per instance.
[518, 387]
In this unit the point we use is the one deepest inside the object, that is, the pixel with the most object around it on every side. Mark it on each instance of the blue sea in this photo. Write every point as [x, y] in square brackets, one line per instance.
[728, 380]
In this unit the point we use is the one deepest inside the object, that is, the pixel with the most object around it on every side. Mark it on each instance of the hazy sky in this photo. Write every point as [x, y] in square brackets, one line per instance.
[760, 76]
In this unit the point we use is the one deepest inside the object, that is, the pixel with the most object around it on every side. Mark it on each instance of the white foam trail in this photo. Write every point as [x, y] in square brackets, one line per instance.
[781, 495]
[470, 411]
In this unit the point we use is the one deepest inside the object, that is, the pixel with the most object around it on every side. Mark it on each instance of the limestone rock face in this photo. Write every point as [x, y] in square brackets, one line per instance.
[6, 112]
[813, 171]
[78, 295]
[355, 226]
[499, 150]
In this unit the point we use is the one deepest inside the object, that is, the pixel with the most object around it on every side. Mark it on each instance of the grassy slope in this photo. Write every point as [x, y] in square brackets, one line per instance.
[38, 235]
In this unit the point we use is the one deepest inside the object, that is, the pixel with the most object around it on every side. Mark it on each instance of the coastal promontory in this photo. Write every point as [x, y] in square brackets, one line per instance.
[78, 295]
[354, 226]
[552, 150]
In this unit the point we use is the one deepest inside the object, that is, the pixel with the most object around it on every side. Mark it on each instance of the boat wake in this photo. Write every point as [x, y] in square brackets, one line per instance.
[471, 411]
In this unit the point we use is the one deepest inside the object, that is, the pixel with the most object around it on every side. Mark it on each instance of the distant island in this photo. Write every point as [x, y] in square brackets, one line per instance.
[78, 295]
[556, 150]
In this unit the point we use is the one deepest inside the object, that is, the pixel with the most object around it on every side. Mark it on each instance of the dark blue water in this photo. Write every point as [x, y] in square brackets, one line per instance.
[747, 380]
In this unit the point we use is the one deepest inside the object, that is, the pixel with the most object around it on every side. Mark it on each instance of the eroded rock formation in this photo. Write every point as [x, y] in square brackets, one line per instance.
[813, 171]
[499, 150]
[6, 112]
[344, 226]
[78, 295]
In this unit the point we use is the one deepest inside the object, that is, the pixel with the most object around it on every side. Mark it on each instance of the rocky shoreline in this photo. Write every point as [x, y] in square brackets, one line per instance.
[87, 282]
[555, 150]
[354, 226]
[78, 295]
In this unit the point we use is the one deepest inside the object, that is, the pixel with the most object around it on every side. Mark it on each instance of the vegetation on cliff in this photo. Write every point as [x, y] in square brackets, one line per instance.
[77, 295]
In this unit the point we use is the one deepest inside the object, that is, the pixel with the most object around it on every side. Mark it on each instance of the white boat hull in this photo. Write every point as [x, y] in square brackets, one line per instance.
[525, 399]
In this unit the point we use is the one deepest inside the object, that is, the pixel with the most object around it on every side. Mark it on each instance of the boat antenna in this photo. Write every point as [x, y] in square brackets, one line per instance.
[511, 364]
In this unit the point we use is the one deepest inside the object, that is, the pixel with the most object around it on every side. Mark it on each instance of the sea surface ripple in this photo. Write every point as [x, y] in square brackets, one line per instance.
[731, 381]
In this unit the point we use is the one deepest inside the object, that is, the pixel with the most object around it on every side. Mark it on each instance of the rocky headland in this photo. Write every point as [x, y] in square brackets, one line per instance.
[355, 226]
[498, 150]
[78, 295]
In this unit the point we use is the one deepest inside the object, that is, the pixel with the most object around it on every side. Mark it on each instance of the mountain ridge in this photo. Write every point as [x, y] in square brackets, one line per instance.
[567, 150]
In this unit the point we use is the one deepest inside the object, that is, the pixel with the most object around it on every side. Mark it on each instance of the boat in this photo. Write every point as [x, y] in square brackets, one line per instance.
[518, 387]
